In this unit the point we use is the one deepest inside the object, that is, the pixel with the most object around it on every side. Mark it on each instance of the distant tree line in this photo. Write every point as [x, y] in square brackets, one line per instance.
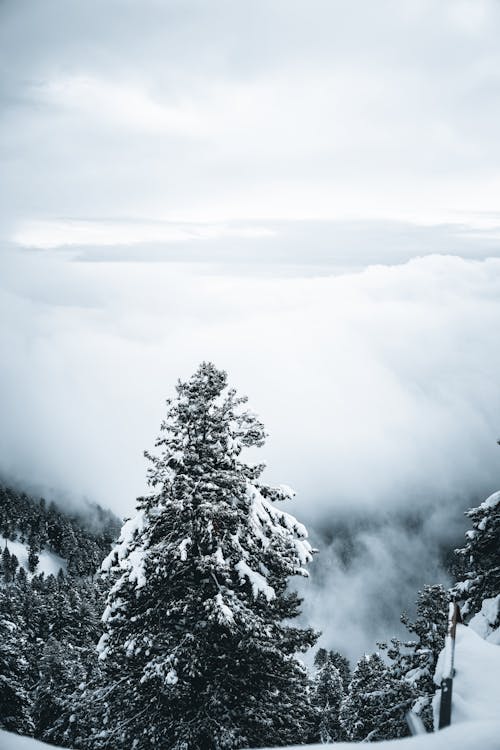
[82, 540]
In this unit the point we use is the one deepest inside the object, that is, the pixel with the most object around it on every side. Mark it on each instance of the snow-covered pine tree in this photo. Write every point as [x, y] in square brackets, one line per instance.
[14, 697]
[359, 712]
[49, 692]
[414, 662]
[376, 703]
[196, 650]
[338, 660]
[481, 566]
[328, 693]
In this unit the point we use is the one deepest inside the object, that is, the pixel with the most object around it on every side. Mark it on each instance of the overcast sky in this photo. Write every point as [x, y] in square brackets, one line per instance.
[209, 110]
[306, 193]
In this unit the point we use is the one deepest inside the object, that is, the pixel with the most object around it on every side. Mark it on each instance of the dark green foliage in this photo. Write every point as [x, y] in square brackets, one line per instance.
[14, 697]
[79, 541]
[196, 650]
[480, 559]
[328, 693]
[376, 703]
[338, 660]
[33, 558]
[414, 661]
[48, 625]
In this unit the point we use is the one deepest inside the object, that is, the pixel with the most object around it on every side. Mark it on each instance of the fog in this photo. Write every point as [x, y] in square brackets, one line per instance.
[304, 193]
[378, 387]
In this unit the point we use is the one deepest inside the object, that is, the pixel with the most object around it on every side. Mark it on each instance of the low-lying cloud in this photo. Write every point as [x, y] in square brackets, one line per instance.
[379, 389]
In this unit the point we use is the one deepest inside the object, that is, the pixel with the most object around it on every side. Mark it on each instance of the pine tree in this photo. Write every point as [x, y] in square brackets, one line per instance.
[77, 686]
[414, 662]
[338, 660]
[14, 564]
[14, 697]
[376, 703]
[49, 690]
[6, 565]
[195, 647]
[481, 561]
[33, 559]
[327, 697]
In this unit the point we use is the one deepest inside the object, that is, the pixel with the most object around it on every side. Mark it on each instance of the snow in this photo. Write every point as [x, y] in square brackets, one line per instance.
[219, 557]
[183, 548]
[265, 516]
[225, 613]
[49, 563]
[125, 556]
[287, 491]
[471, 736]
[446, 656]
[483, 735]
[483, 622]
[257, 581]
[492, 501]
[171, 678]
[476, 684]
[15, 742]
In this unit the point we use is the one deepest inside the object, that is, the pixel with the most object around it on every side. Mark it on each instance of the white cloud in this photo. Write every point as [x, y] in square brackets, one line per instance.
[59, 233]
[379, 389]
[118, 105]
[323, 109]
[382, 369]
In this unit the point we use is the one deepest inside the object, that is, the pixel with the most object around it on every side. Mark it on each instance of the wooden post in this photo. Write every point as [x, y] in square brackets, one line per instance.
[454, 617]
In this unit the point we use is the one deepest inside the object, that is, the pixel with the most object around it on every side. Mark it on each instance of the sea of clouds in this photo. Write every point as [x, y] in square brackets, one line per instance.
[378, 386]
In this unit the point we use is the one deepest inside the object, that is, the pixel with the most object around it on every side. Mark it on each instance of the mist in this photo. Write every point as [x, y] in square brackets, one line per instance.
[378, 387]
[305, 194]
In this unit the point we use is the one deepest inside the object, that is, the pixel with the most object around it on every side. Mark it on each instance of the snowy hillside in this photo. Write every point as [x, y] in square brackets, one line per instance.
[48, 563]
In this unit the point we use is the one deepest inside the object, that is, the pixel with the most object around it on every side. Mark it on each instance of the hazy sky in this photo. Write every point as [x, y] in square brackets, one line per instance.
[212, 110]
[306, 193]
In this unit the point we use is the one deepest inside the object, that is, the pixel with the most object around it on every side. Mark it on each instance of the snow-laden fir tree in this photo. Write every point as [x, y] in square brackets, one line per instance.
[479, 591]
[15, 705]
[328, 693]
[338, 660]
[376, 703]
[198, 648]
[50, 690]
[414, 661]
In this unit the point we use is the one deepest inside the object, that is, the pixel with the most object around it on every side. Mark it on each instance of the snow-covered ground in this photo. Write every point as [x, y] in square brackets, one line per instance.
[475, 709]
[484, 623]
[49, 563]
[476, 685]
[15, 742]
[475, 735]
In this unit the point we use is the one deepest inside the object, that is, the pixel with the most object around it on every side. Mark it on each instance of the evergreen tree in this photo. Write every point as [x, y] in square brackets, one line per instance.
[327, 697]
[414, 662]
[14, 696]
[33, 558]
[376, 703]
[338, 660]
[481, 561]
[195, 647]
[14, 564]
[49, 690]
[48, 625]
[6, 565]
